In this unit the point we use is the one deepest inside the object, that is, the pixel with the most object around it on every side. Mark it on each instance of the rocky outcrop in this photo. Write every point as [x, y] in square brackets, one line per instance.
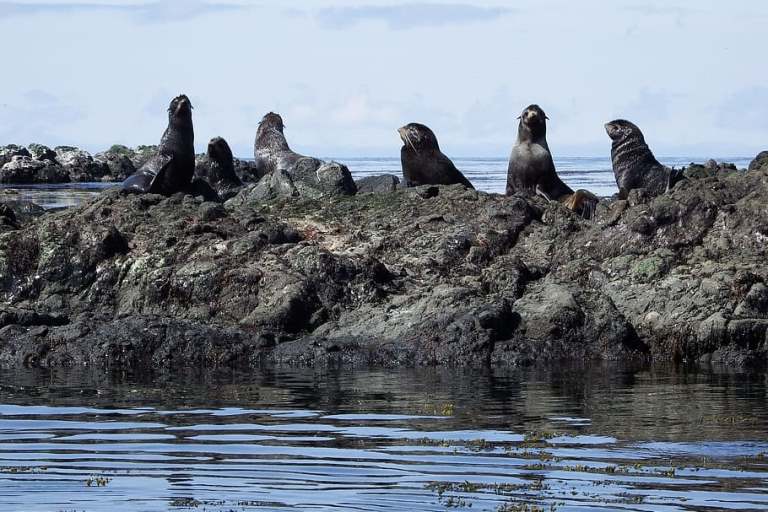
[28, 170]
[422, 276]
[709, 169]
[760, 161]
[40, 164]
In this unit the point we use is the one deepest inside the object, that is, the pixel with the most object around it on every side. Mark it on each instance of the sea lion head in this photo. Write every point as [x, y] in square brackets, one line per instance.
[534, 120]
[621, 129]
[219, 151]
[418, 137]
[180, 111]
[271, 121]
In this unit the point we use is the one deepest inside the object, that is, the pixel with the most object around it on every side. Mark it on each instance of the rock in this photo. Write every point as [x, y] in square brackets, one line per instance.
[378, 184]
[247, 171]
[760, 161]
[710, 169]
[40, 152]
[22, 211]
[138, 156]
[26, 170]
[314, 179]
[117, 159]
[277, 185]
[8, 152]
[292, 271]
[81, 166]
[7, 218]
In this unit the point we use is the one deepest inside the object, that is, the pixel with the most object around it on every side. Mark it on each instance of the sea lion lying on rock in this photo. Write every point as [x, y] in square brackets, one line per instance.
[172, 169]
[634, 165]
[423, 162]
[532, 171]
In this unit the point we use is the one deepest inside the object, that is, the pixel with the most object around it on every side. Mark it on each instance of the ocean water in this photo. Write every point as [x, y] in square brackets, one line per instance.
[568, 439]
[490, 174]
[487, 174]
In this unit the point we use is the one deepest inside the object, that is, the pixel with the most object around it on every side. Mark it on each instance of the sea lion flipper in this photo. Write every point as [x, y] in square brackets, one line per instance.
[159, 165]
[582, 202]
[139, 182]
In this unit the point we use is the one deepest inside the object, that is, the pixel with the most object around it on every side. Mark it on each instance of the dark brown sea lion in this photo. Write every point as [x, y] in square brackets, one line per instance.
[171, 170]
[634, 165]
[423, 162]
[532, 171]
[217, 167]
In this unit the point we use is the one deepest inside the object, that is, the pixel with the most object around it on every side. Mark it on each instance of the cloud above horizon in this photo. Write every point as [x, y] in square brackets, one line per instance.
[346, 73]
[159, 11]
[410, 15]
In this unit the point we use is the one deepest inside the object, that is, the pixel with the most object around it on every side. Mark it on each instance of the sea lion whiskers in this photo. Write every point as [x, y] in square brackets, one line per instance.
[403, 132]
[408, 139]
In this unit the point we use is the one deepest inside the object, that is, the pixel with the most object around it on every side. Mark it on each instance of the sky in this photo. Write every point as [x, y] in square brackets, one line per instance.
[346, 74]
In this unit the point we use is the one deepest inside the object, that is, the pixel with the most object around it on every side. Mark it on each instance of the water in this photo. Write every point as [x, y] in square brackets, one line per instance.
[64, 195]
[607, 438]
[488, 174]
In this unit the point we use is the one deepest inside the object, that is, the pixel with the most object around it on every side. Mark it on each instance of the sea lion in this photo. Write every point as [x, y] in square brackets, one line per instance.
[217, 167]
[312, 177]
[634, 165]
[531, 169]
[171, 170]
[423, 162]
[271, 150]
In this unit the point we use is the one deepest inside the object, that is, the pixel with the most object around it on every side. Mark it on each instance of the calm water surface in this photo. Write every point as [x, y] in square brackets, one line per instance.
[488, 174]
[601, 438]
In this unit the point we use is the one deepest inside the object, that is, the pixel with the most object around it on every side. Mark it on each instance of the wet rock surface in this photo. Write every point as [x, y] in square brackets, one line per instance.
[422, 276]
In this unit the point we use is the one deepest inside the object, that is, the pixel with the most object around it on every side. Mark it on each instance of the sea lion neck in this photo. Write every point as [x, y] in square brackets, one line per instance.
[270, 136]
[179, 137]
[527, 133]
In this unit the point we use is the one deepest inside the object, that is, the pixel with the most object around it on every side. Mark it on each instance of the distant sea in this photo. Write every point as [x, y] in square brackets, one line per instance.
[490, 174]
[487, 174]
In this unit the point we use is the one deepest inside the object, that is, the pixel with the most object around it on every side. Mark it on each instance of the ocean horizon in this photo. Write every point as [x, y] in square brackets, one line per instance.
[489, 174]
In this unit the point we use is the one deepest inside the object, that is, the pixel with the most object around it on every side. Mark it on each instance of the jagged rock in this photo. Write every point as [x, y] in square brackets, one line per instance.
[709, 169]
[117, 159]
[40, 152]
[760, 161]
[378, 184]
[25, 169]
[11, 150]
[81, 166]
[248, 171]
[423, 276]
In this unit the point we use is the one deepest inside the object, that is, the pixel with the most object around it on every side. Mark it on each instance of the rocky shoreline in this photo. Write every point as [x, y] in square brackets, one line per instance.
[432, 275]
[39, 164]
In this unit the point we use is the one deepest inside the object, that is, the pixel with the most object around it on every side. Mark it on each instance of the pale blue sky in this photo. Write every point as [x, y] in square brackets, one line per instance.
[345, 74]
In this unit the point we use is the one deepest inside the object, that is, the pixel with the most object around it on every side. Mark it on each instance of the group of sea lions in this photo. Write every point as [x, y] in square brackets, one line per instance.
[531, 168]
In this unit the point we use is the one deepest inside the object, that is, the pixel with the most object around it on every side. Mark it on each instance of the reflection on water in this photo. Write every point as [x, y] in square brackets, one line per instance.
[571, 439]
[63, 195]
